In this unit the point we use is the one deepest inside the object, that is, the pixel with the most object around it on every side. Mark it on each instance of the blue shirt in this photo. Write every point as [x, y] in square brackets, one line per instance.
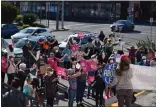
[68, 52]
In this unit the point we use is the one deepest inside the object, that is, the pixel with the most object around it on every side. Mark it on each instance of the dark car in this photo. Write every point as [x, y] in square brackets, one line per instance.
[8, 29]
[122, 26]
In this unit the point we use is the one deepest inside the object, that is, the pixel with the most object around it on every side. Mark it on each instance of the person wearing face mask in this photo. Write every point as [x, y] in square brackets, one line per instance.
[144, 61]
[109, 89]
[124, 88]
[72, 78]
[51, 85]
[153, 62]
[11, 69]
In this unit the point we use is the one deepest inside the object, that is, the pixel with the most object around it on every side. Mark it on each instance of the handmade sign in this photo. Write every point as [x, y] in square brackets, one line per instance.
[61, 71]
[75, 48]
[143, 77]
[92, 65]
[84, 65]
[109, 73]
[80, 35]
[90, 79]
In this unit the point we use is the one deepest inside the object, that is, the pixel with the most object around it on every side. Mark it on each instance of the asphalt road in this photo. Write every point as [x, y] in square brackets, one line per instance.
[140, 33]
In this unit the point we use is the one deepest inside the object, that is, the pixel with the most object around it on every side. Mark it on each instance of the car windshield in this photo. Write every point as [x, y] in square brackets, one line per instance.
[22, 42]
[121, 22]
[27, 31]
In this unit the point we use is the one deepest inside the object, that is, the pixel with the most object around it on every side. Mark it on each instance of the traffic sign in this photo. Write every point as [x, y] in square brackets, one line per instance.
[151, 20]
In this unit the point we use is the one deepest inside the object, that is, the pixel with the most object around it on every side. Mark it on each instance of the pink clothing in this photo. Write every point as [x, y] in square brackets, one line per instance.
[4, 64]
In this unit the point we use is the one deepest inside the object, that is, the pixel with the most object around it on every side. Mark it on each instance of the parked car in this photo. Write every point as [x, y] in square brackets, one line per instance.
[8, 29]
[81, 41]
[122, 25]
[30, 31]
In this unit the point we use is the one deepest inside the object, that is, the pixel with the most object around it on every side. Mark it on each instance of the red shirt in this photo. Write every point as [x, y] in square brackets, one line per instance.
[3, 64]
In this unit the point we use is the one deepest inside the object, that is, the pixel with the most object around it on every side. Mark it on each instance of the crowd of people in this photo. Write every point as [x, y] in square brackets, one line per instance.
[27, 75]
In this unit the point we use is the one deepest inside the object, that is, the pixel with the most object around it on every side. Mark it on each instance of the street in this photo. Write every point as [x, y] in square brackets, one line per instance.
[141, 32]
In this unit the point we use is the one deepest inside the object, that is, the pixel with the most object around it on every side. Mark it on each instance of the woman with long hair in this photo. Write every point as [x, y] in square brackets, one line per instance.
[123, 82]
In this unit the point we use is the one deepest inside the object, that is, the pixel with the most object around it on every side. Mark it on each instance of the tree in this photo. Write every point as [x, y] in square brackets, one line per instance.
[9, 12]
[29, 18]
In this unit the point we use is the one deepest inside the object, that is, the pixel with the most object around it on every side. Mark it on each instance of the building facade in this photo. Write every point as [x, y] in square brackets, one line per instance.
[88, 11]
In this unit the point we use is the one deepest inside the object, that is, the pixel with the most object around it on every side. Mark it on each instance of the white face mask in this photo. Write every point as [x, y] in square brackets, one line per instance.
[73, 66]
[111, 61]
[56, 51]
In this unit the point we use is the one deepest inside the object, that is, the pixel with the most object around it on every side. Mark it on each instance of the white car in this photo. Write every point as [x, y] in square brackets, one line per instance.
[30, 31]
[81, 41]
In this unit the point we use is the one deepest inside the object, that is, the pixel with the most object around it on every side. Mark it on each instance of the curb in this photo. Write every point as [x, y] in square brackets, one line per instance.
[115, 104]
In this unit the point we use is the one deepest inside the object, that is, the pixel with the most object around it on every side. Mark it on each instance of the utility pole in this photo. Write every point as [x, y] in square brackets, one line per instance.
[46, 11]
[62, 14]
[57, 17]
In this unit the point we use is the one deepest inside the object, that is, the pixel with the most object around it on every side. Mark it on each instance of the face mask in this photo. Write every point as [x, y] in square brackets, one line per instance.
[56, 51]
[12, 59]
[51, 73]
[111, 61]
[73, 66]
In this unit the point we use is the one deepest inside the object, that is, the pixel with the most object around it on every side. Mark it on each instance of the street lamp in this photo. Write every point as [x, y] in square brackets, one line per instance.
[62, 14]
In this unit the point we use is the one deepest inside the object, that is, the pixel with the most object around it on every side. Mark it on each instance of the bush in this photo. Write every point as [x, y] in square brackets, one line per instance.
[147, 43]
[9, 12]
[29, 18]
[19, 20]
[23, 27]
[38, 25]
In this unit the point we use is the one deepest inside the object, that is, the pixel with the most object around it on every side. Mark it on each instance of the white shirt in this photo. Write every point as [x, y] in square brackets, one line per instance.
[10, 53]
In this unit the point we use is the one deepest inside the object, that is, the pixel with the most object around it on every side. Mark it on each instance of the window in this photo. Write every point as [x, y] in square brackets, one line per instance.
[28, 31]
[4, 27]
[40, 31]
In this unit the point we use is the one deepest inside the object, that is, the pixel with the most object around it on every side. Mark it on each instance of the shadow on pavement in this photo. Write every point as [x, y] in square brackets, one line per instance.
[136, 105]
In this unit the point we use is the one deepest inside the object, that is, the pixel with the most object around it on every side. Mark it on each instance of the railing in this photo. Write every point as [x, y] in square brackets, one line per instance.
[32, 101]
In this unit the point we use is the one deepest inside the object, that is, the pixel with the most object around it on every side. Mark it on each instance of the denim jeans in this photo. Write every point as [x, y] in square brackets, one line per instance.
[80, 92]
[71, 97]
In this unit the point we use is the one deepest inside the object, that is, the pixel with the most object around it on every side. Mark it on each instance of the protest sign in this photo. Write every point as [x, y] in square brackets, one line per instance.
[84, 65]
[61, 71]
[92, 65]
[75, 48]
[80, 35]
[109, 73]
[143, 77]
[90, 79]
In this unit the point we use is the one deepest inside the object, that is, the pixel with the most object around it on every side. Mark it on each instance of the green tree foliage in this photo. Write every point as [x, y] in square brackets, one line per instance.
[147, 43]
[29, 18]
[9, 12]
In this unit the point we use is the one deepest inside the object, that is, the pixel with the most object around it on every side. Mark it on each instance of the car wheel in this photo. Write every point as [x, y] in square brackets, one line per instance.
[113, 29]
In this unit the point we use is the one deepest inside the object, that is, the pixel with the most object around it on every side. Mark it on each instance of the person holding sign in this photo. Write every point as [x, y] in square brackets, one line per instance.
[99, 86]
[72, 78]
[108, 75]
[123, 82]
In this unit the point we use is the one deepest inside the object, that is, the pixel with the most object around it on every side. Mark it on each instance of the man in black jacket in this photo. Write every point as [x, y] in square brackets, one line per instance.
[26, 53]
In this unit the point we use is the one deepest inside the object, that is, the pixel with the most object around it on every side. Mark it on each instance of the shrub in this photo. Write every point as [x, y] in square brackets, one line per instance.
[147, 43]
[19, 20]
[29, 18]
[38, 25]
[9, 12]
[23, 27]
